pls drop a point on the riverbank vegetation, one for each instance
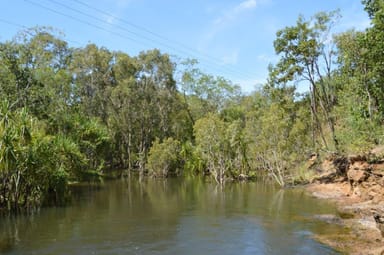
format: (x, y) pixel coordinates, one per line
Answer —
(74, 114)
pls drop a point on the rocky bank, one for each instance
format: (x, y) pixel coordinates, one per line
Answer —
(356, 184)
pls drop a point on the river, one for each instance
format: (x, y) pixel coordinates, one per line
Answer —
(173, 216)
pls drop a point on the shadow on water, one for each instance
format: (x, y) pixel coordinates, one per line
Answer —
(172, 216)
(11, 225)
(9, 234)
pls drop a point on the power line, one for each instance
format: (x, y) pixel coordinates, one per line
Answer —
(183, 52)
(204, 55)
(82, 21)
(143, 29)
(14, 24)
(103, 21)
(116, 33)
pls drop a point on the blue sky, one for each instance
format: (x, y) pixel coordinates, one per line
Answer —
(230, 38)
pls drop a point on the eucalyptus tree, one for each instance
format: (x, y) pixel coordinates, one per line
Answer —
(34, 73)
(144, 105)
(157, 98)
(307, 54)
(210, 142)
(123, 120)
(374, 57)
(91, 68)
(204, 93)
(357, 110)
(276, 132)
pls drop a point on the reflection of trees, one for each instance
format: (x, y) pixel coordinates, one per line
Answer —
(9, 234)
(161, 212)
(122, 211)
(277, 203)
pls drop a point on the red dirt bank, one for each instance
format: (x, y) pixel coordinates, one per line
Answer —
(356, 184)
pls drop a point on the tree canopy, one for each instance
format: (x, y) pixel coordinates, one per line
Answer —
(75, 114)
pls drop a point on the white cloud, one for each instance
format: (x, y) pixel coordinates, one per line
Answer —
(235, 12)
(248, 4)
(110, 19)
(119, 6)
(227, 17)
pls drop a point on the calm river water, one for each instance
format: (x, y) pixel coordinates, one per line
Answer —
(174, 216)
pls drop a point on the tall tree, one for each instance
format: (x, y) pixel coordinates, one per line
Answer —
(91, 68)
(374, 56)
(306, 54)
(35, 72)
(204, 93)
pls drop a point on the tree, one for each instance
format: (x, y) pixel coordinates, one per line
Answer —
(277, 132)
(210, 141)
(307, 54)
(164, 158)
(357, 127)
(91, 68)
(144, 105)
(204, 93)
(34, 73)
(373, 56)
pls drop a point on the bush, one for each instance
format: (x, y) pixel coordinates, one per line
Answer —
(164, 158)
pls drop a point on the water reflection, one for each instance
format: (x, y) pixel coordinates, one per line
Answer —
(172, 217)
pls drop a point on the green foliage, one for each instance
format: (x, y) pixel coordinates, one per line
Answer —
(278, 137)
(305, 55)
(210, 141)
(71, 114)
(373, 57)
(27, 162)
(193, 162)
(164, 158)
(221, 146)
(205, 93)
(360, 77)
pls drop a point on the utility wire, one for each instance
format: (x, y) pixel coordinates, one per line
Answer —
(147, 31)
(118, 26)
(113, 32)
(25, 28)
(208, 58)
(11, 23)
(82, 21)
(194, 51)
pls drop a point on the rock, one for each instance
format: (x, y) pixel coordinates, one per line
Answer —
(367, 223)
(378, 168)
(356, 184)
(357, 176)
(379, 223)
(327, 167)
(358, 208)
(329, 218)
(354, 158)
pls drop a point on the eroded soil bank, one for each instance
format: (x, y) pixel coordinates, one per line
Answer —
(356, 184)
